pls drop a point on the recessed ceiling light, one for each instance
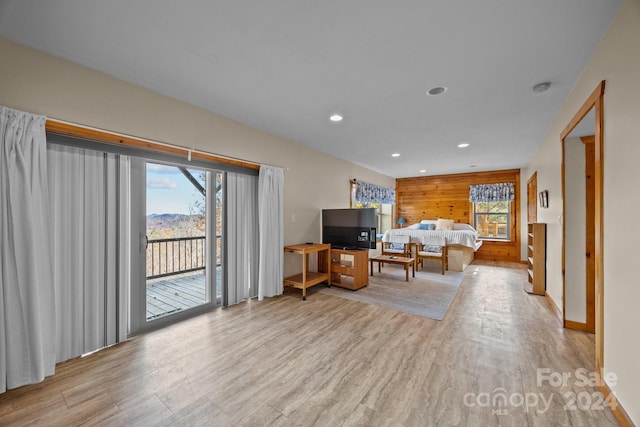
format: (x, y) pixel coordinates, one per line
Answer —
(541, 87)
(463, 145)
(423, 170)
(473, 166)
(336, 118)
(395, 155)
(437, 90)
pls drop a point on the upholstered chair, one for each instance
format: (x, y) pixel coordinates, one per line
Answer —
(397, 245)
(433, 248)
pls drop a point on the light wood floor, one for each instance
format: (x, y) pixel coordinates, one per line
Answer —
(329, 361)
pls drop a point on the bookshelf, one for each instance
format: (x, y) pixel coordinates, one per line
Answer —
(536, 259)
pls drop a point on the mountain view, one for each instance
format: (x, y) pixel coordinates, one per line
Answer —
(169, 226)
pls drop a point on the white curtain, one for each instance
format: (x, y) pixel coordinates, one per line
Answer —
(89, 196)
(241, 237)
(271, 217)
(27, 311)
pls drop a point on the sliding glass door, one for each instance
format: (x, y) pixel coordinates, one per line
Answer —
(177, 229)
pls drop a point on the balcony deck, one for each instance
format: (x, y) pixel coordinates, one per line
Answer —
(171, 294)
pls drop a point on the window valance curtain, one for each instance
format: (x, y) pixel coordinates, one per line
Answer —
(503, 192)
(371, 193)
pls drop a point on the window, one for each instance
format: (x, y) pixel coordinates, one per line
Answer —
(384, 211)
(493, 220)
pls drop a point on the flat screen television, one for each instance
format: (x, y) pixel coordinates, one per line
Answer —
(349, 228)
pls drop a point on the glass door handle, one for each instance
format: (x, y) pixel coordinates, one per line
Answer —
(144, 242)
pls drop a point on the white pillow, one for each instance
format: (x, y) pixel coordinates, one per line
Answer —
(444, 224)
(460, 226)
(428, 221)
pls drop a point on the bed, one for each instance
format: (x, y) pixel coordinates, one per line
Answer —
(462, 240)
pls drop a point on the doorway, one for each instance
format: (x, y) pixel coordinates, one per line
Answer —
(532, 198)
(579, 288)
(582, 222)
(176, 261)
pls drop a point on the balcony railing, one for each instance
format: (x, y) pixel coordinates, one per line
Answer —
(167, 257)
(492, 226)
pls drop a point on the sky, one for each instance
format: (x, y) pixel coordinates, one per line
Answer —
(169, 191)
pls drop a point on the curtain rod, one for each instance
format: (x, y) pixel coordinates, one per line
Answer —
(75, 130)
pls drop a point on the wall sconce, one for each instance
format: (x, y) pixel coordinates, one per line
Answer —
(544, 199)
(401, 221)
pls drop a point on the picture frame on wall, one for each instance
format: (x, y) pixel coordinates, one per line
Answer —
(544, 199)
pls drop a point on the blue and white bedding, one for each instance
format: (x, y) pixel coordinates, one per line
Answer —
(462, 234)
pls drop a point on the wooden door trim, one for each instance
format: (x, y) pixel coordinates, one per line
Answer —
(595, 100)
(596, 95)
(589, 148)
(588, 139)
(532, 182)
(576, 326)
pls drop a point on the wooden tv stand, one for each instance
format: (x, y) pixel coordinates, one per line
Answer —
(350, 263)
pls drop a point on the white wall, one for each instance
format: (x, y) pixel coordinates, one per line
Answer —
(575, 226)
(39, 83)
(547, 164)
(617, 61)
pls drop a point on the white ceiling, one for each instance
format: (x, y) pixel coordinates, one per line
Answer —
(285, 65)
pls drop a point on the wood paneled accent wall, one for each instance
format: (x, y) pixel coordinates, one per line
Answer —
(447, 196)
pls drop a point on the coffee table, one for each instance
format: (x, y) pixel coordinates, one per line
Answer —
(391, 259)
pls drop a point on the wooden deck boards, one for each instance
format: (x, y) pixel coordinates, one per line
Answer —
(171, 294)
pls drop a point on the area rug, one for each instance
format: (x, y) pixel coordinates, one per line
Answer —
(429, 294)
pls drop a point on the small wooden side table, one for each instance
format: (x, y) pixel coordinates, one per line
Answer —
(306, 279)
